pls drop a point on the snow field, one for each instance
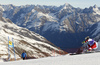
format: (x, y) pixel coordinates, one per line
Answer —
(82, 59)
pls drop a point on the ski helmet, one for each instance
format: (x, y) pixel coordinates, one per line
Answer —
(86, 38)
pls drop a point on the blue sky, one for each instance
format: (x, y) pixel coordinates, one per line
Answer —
(74, 3)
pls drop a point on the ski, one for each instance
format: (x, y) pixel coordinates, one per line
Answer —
(98, 51)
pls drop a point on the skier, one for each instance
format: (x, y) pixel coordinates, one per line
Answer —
(24, 55)
(88, 45)
(92, 45)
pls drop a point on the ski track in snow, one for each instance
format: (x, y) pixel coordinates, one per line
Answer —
(82, 59)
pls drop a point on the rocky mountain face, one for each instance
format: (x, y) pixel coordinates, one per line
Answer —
(65, 26)
(94, 31)
(34, 44)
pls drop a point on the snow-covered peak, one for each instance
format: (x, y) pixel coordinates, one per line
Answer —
(92, 9)
(96, 10)
(66, 4)
(95, 6)
(8, 7)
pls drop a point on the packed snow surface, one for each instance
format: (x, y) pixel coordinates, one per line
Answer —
(81, 59)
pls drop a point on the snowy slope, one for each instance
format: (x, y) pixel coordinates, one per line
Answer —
(83, 59)
(34, 44)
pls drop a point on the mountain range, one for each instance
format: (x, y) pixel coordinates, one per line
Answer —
(65, 26)
(35, 45)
